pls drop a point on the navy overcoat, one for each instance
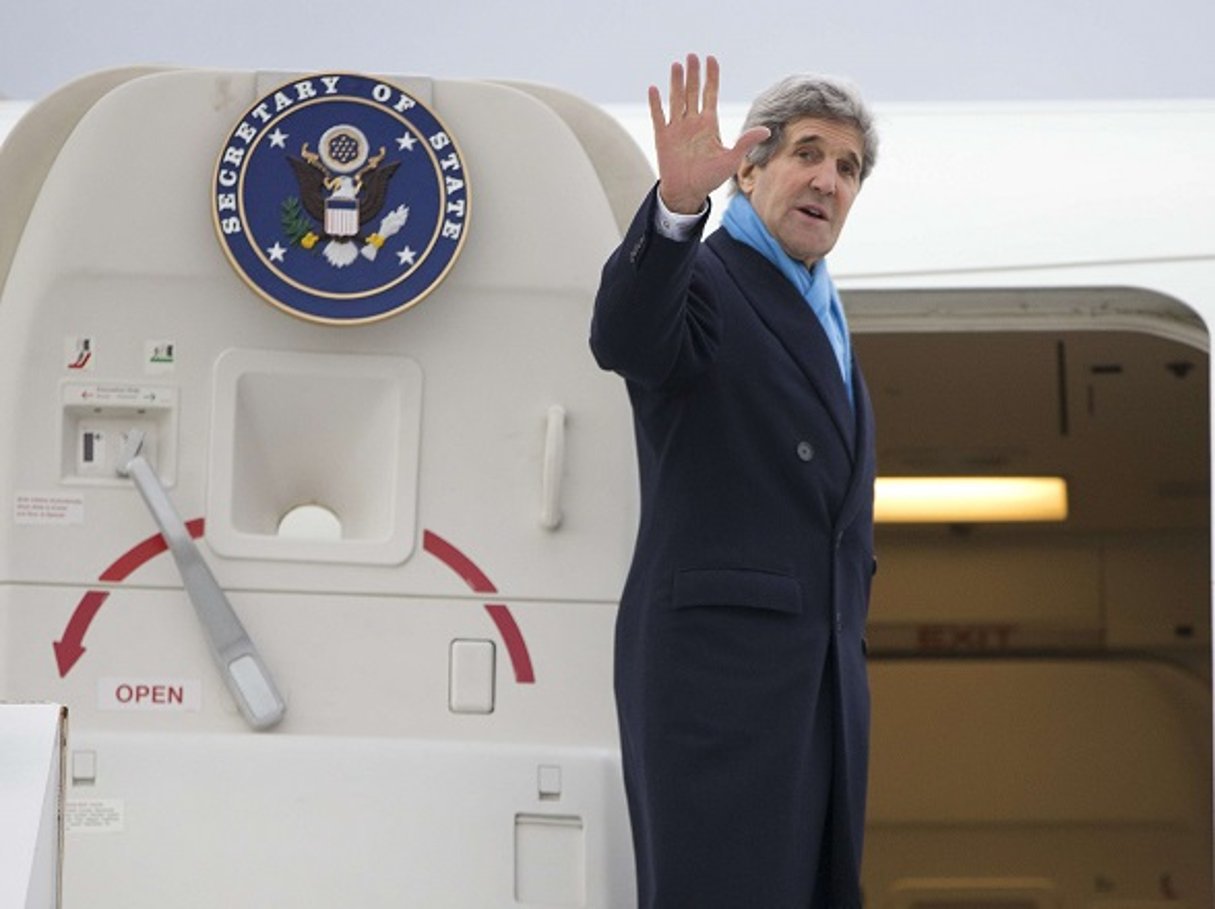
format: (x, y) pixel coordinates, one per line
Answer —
(740, 673)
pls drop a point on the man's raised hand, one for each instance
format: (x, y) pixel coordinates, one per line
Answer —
(692, 162)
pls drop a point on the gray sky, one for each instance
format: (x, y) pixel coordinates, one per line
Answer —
(898, 50)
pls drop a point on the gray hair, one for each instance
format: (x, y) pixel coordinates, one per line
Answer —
(805, 95)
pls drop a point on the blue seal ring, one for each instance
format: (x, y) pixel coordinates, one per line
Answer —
(341, 199)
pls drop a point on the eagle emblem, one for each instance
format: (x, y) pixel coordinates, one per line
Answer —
(341, 198)
(341, 189)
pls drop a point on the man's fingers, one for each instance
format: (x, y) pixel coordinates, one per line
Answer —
(692, 90)
(657, 118)
(685, 89)
(678, 101)
(750, 139)
(712, 79)
(745, 143)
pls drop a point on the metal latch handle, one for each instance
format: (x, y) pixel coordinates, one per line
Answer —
(235, 654)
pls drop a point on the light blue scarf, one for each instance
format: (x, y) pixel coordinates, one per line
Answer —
(744, 225)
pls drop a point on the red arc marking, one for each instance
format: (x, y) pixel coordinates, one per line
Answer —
(70, 648)
(516, 647)
(153, 546)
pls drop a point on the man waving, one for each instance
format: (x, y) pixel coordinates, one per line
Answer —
(740, 672)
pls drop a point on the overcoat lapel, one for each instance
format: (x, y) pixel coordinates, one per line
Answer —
(790, 319)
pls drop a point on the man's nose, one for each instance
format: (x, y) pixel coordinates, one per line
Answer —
(824, 179)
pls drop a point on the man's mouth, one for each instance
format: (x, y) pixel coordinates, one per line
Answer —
(813, 211)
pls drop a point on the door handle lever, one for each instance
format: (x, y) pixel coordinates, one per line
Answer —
(234, 652)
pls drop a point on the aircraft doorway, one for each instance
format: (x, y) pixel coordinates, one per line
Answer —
(1042, 690)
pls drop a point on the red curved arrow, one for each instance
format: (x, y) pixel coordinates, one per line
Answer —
(70, 648)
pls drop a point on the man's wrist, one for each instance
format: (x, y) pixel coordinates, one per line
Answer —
(689, 207)
(675, 225)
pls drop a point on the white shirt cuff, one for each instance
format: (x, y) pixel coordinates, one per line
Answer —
(675, 225)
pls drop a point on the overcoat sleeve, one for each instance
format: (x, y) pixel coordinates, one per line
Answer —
(652, 324)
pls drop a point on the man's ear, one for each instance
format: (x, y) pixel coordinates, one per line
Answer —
(746, 177)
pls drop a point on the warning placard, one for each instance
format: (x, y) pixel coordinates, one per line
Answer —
(48, 508)
(94, 815)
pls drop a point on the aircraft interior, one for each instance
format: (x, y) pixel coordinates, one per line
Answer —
(1041, 689)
